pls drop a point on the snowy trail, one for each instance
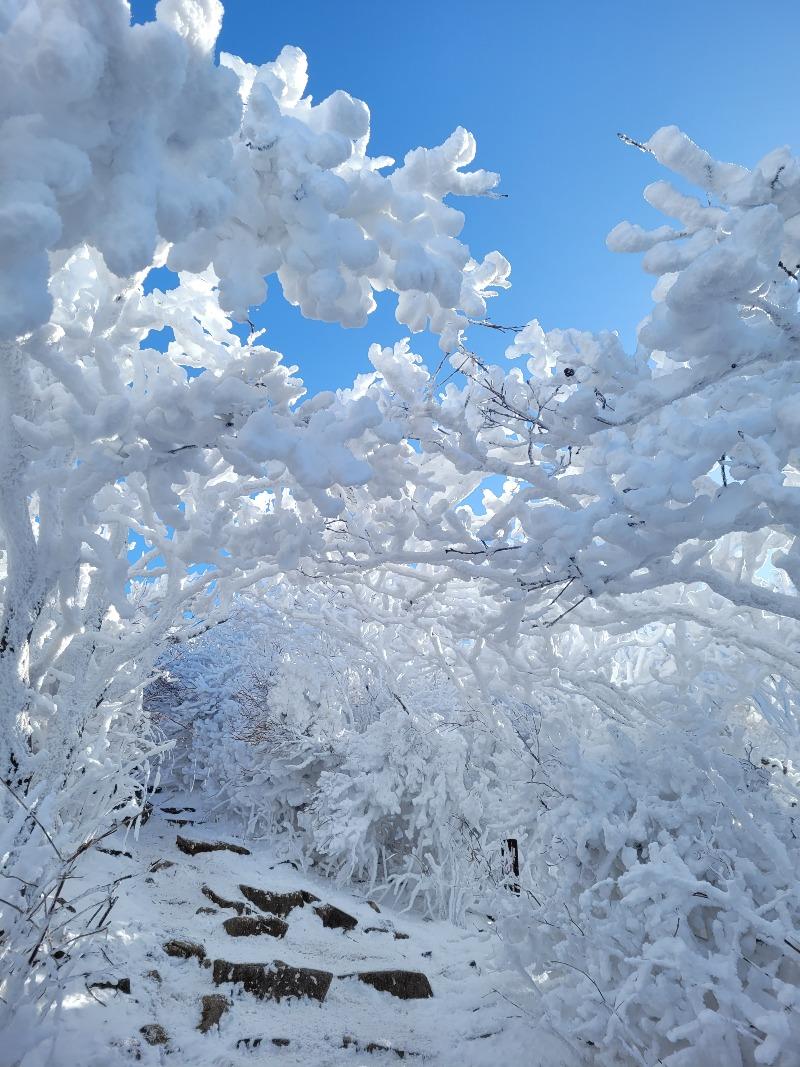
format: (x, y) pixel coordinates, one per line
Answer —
(476, 1016)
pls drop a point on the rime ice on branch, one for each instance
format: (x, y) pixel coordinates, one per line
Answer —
(132, 140)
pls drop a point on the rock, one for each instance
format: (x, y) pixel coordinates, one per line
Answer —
(206, 911)
(253, 925)
(277, 903)
(427, 955)
(386, 930)
(192, 848)
(249, 1042)
(374, 906)
(380, 1046)
(121, 986)
(176, 811)
(334, 918)
(408, 985)
(281, 1042)
(214, 1007)
(115, 852)
(184, 949)
(129, 1046)
(154, 1034)
(181, 822)
(374, 1046)
(273, 981)
(143, 816)
(161, 865)
(238, 906)
(153, 976)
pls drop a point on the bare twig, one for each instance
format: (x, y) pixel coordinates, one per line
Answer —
(496, 326)
(634, 144)
(32, 814)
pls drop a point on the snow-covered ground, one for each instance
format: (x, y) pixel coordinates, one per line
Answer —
(477, 1016)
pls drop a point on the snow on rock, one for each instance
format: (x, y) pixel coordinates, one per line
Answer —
(214, 1007)
(407, 985)
(336, 919)
(275, 980)
(253, 925)
(193, 848)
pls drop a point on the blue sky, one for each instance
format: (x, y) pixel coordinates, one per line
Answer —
(544, 87)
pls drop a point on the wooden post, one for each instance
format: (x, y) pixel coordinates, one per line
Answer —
(510, 855)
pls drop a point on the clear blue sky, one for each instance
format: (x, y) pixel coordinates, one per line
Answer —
(544, 87)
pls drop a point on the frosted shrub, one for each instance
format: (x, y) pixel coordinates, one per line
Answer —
(393, 813)
(296, 734)
(250, 724)
(661, 913)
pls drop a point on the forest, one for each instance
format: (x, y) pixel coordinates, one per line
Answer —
(502, 650)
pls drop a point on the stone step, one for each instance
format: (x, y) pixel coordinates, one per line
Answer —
(185, 950)
(334, 918)
(407, 985)
(278, 903)
(235, 905)
(193, 848)
(275, 980)
(254, 925)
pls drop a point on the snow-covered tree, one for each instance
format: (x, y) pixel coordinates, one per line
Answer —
(141, 489)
